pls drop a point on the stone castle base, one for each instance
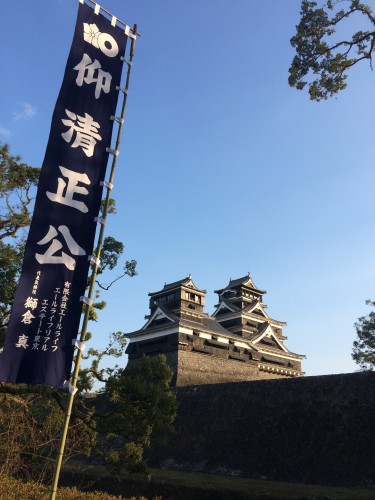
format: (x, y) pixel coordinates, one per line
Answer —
(194, 368)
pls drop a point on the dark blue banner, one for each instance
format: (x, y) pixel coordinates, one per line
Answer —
(47, 307)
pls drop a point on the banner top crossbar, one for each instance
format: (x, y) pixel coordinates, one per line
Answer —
(128, 30)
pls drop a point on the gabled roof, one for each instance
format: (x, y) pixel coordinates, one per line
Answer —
(255, 305)
(205, 324)
(246, 281)
(248, 312)
(188, 282)
(267, 331)
(161, 312)
(226, 304)
(209, 325)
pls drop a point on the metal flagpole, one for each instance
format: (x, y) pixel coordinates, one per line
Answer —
(95, 259)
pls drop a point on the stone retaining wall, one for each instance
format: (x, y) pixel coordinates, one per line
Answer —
(310, 429)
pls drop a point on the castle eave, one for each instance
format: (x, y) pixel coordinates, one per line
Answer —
(268, 367)
(278, 353)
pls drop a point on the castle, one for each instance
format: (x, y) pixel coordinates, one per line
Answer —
(239, 342)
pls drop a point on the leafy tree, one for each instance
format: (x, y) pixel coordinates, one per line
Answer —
(31, 418)
(110, 254)
(10, 268)
(93, 371)
(17, 180)
(364, 347)
(118, 425)
(323, 57)
(17, 187)
(141, 410)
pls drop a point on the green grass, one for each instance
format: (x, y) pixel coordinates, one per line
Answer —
(175, 485)
(13, 489)
(252, 488)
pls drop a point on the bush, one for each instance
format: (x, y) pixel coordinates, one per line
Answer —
(13, 489)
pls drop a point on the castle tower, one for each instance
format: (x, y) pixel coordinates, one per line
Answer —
(239, 342)
(242, 312)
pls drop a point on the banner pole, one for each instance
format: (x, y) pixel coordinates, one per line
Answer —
(74, 377)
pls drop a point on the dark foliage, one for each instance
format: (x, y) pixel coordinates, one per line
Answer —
(324, 56)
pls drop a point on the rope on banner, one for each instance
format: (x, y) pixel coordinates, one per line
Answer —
(79, 345)
(124, 90)
(129, 63)
(117, 119)
(108, 185)
(86, 300)
(70, 387)
(94, 259)
(113, 152)
(101, 220)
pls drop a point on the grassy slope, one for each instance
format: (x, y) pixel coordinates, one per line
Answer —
(12, 489)
(257, 488)
(175, 485)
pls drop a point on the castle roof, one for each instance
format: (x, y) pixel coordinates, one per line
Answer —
(229, 305)
(245, 281)
(209, 325)
(188, 282)
(204, 324)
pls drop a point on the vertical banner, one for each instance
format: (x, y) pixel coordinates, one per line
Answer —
(47, 307)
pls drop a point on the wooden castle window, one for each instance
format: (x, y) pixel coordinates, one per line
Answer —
(193, 297)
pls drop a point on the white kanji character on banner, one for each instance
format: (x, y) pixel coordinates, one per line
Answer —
(86, 132)
(70, 189)
(31, 303)
(50, 258)
(86, 69)
(27, 318)
(22, 341)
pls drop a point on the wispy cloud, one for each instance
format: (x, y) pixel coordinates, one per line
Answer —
(4, 132)
(26, 112)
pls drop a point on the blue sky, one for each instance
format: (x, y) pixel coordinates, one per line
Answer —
(224, 169)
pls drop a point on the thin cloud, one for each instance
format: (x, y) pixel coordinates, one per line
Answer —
(26, 112)
(4, 132)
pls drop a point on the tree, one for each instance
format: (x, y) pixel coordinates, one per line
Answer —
(364, 347)
(10, 268)
(141, 410)
(322, 62)
(17, 180)
(17, 188)
(323, 57)
(30, 430)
